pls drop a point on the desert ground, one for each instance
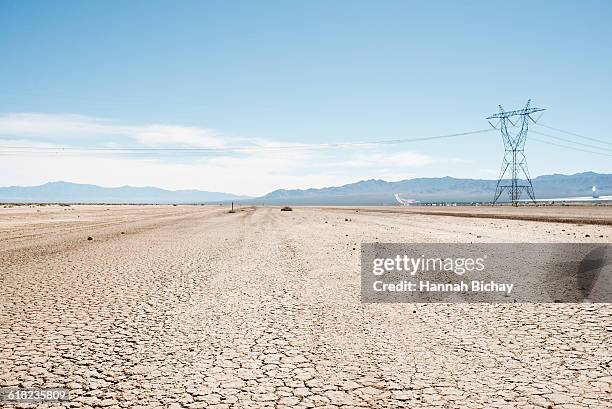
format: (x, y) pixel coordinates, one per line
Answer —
(194, 307)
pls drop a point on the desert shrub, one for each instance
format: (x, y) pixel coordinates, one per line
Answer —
(286, 209)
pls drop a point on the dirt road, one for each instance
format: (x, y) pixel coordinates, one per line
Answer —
(193, 307)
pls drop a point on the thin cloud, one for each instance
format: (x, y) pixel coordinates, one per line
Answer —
(252, 172)
(77, 127)
(49, 126)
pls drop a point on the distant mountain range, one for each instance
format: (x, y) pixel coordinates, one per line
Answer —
(65, 192)
(377, 192)
(367, 192)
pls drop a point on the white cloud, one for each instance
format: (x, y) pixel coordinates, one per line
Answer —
(253, 172)
(383, 160)
(178, 136)
(253, 175)
(46, 126)
(77, 127)
(21, 143)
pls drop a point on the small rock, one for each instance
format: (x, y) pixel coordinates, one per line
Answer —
(89, 238)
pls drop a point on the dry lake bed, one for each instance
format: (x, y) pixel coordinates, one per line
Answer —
(194, 307)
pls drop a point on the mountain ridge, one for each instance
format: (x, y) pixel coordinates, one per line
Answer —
(445, 188)
(69, 192)
(363, 192)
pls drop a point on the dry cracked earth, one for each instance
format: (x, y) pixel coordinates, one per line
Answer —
(193, 307)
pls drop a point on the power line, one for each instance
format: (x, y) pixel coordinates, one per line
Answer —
(570, 141)
(575, 134)
(236, 149)
(569, 147)
(71, 150)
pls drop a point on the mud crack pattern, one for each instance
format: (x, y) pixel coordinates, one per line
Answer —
(192, 307)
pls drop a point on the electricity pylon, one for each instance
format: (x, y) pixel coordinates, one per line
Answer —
(514, 165)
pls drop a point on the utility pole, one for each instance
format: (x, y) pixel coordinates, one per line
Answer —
(514, 165)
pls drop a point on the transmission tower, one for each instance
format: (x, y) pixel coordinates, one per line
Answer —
(514, 176)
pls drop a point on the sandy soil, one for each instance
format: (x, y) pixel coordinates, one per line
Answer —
(189, 306)
(577, 214)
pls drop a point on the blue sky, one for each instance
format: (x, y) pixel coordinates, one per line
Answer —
(227, 73)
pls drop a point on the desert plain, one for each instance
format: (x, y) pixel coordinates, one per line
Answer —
(195, 307)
